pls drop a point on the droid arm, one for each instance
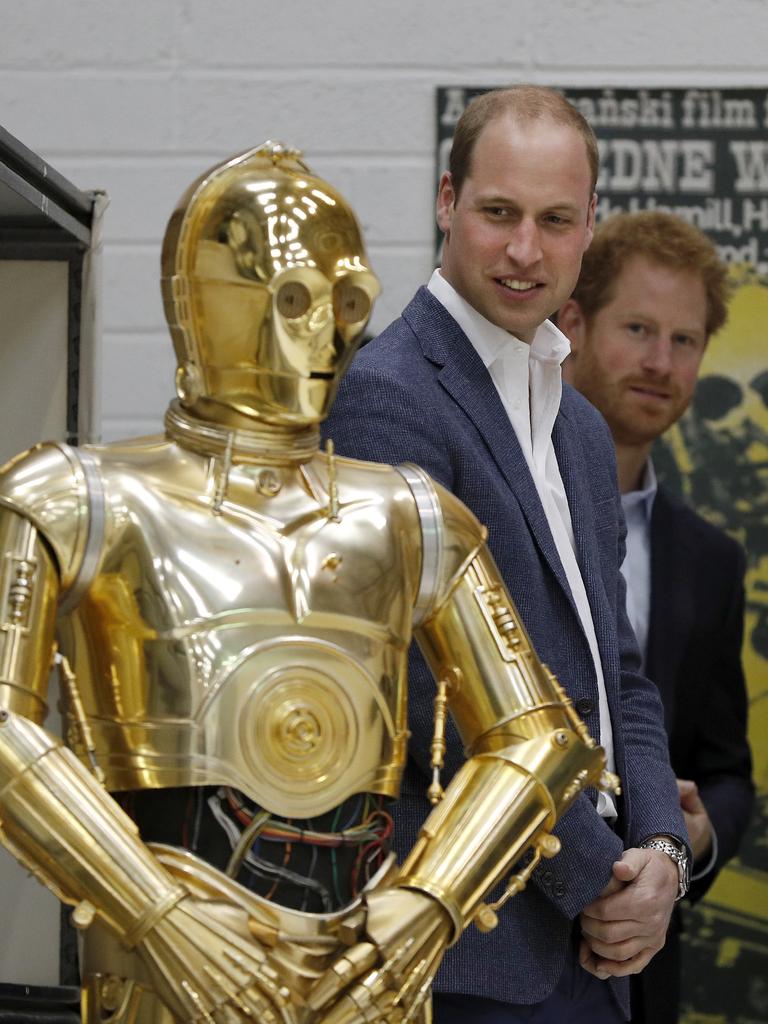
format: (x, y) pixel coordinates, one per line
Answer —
(60, 823)
(529, 755)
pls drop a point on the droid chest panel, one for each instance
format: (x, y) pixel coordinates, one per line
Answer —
(310, 720)
(263, 652)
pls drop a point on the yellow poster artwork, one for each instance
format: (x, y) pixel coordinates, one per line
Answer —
(720, 451)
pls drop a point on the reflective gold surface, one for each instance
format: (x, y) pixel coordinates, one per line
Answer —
(276, 666)
(266, 288)
(237, 607)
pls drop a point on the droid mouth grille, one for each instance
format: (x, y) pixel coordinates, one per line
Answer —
(321, 375)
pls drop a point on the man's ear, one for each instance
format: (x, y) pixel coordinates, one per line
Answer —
(571, 322)
(445, 202)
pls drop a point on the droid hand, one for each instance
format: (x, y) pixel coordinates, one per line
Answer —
(206, 967)
(387, 977)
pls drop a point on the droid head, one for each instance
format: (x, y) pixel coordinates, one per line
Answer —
(266, 288)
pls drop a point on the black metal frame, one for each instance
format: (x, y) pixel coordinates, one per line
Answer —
(39, 1004)
(45, 217)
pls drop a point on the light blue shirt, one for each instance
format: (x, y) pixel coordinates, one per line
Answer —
(636, 568)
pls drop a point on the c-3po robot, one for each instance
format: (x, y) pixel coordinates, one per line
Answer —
(231, 609)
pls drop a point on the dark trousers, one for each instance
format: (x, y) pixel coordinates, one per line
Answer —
(579, 998)
(655, 993)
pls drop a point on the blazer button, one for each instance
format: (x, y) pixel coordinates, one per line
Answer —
(560, 888)
(584, 706)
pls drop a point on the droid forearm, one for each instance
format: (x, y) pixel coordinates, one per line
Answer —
(59, 823)
(497, 806)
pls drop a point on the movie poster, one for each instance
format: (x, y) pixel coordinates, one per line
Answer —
(702, 153)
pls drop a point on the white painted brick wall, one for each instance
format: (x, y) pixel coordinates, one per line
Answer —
(139, 97)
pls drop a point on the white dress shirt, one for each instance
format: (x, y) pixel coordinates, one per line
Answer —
(529, 382)
(636, 569)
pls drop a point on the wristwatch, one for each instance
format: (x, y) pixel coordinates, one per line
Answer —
(677, 852)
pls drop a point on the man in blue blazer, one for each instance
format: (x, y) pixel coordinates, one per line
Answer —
(467, 384)
(651, 292)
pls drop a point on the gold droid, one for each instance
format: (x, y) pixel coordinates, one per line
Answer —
(231, 609)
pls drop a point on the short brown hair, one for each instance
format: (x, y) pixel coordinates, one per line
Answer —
(661, 238)
(526, 103)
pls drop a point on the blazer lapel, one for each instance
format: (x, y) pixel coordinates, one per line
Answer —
(575, 476)
(467, 381)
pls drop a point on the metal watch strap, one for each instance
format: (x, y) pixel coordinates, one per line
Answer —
(678, 855)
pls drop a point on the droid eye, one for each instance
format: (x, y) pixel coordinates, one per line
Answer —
(351, 304)
(293, 299)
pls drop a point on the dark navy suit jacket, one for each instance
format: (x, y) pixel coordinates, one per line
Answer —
(694, 657)
(420, 393)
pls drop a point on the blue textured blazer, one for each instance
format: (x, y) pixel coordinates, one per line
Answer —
(419, 392)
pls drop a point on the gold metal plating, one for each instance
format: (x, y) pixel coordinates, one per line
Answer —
(79, 720)
(266, 288)
(237, 608)
(435, 792)
(26, 606)
(546, 845)
(262, 670)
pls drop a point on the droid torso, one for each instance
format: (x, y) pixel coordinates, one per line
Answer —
(249, 638)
